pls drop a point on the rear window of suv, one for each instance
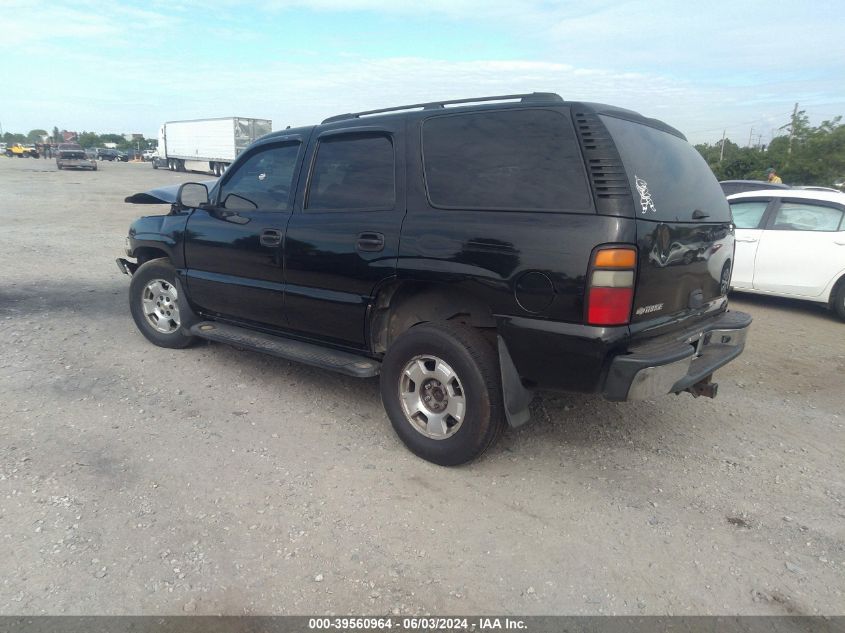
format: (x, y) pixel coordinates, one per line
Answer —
(668, 177)
(504, 160)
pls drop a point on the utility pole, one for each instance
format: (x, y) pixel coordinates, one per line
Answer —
(749, 136)
(722, 151)
(792, 129)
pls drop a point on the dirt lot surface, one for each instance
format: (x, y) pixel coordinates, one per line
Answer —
(142, 480)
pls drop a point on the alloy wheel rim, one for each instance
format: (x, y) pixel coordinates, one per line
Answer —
(160, 305)
(432, 397)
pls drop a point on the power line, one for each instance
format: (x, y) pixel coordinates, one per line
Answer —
(765, 118)
(728, 127)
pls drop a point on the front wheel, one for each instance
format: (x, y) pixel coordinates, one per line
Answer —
(441, 390)
(155, 305)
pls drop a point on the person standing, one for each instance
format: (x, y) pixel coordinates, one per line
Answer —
(772, 176)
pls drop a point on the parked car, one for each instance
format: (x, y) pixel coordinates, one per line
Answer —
(816, 188)
(72, 156)
(731, 187)
(111, 155)
(534, 254)
(791, 244)
(148, 154)
(22, 151)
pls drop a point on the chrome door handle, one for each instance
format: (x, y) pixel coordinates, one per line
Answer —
(370, 242)
(270, 237)
(746, 239)
(838, 243)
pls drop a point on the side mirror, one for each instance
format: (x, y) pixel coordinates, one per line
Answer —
(192, 195)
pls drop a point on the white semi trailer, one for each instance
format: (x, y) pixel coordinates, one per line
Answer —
(208, 145)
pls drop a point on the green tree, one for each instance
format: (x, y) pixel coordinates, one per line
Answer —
(813, 155)
(112, 138)
(10, 138)
(35, 136)
(89, 139)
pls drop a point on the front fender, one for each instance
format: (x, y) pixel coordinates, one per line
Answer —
(165, 233)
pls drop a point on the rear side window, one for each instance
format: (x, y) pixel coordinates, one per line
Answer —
(508, 159)
(798, 216)
(747, 215)
(669, 179)
(353, 172)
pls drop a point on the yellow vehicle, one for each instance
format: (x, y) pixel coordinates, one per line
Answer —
(22, 151)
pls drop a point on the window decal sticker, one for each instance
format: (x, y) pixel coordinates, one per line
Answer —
(646, 202)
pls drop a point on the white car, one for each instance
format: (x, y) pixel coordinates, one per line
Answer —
(148, 154)
(791, 243)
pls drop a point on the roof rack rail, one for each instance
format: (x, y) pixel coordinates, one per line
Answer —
(529, 97)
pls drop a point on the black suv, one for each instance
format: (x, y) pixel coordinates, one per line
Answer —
(111, 155)
(468, 252)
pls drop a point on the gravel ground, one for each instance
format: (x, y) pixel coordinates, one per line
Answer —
(139, 480)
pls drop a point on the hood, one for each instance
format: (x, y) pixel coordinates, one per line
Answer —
(162, 195)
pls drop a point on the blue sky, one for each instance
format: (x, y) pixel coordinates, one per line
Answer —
(129, 66)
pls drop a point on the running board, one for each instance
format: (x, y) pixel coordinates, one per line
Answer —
(326, 358)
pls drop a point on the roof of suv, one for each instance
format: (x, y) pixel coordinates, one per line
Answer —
(482, 103)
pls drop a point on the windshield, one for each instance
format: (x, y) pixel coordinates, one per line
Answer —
(669, 179)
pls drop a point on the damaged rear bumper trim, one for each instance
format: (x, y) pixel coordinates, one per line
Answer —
(672, 367)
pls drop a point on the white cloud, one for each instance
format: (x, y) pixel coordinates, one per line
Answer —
(700, 70)
(293, 94)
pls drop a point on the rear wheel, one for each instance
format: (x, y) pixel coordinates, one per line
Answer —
(839, 300)
(154, 302)
(440, 387)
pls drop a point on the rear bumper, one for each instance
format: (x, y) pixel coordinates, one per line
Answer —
(657, 368)
(76, 163)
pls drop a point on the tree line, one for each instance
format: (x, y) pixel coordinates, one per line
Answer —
(85, 139)
(801, 154)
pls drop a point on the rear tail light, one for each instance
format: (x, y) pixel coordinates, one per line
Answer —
(610, 286)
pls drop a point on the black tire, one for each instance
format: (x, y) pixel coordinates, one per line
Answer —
(156, 269)
(94, 168)
(476, 366)
(59, 167)
(839, 300)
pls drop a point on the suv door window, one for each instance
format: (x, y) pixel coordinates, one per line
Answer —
(801, 216)
(263, 181)
(505, 160)
(747, 215)
(353, 172)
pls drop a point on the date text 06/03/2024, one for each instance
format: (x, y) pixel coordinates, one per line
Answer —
(417, 624)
